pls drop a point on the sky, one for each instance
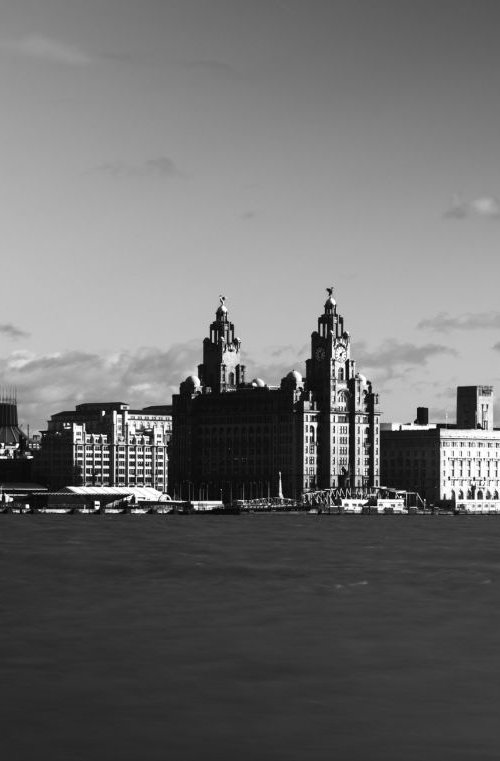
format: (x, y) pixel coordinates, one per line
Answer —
(158, 153)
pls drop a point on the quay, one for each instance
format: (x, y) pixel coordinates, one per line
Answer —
(145, 501)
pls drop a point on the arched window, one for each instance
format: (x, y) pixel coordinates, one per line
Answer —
(340, 374)
(231, 379)
(342, 398)
(480, 494)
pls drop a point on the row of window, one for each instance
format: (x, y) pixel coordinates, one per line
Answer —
(462, 444)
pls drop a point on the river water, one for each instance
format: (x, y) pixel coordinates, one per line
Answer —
(252, 637)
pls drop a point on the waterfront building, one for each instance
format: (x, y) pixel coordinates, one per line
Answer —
(444, 463)
(105, 444)
(240, 439)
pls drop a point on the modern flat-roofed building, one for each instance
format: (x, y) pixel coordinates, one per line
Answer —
(105, 444)
(244, 439)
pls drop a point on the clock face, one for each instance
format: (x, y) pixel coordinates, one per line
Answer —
(319, 353)
(341, 353)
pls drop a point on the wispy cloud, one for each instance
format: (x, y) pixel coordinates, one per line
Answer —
(393, 353)
(384, 364)
(160, 166)
(49, 383)
(43, 48)
(13, 332)
(486, 207)
(445, 323)
(272, 363)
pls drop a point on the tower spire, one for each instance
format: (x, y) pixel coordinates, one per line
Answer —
(221, 369)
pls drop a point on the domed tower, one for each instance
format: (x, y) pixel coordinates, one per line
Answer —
(190, 386)
(221, 369)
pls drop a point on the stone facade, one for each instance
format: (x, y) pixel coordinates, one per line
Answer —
(242, 439)
(442, 464)
(105, 444)
(446, 463)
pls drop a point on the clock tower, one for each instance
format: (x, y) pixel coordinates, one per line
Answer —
(221, 369)
(330, 365)
(348, 423)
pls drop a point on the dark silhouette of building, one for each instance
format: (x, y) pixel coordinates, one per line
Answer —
(244, 439)
(475, 407)
(11, 436)
(15, 458)
(422, 416)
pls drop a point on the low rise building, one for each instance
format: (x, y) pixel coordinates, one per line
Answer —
(444, 463)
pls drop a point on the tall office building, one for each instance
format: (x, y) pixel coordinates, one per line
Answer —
(475, 407)
(248, 439)
(105, 444)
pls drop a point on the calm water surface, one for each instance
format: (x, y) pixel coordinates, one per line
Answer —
(286, 637)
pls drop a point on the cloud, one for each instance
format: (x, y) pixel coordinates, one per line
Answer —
(393, 353)
(161, 166)
(43, 48)
(50, 383)
(444, 323)
(486, 207)
(13, 332)
(391, 362)
(272, 363)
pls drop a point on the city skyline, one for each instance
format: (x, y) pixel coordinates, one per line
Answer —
(158, 154)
